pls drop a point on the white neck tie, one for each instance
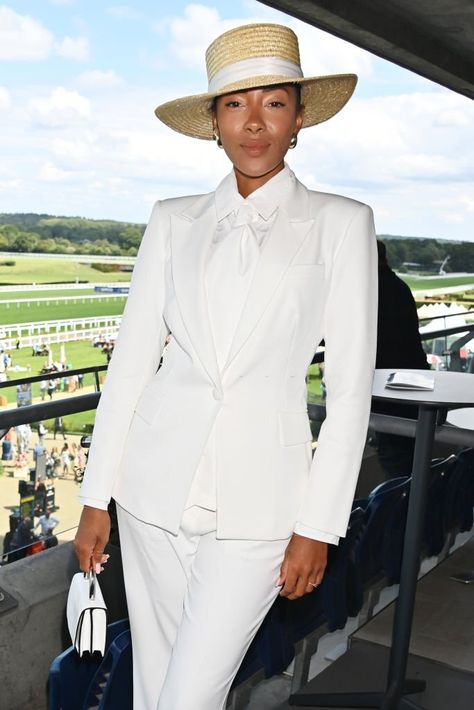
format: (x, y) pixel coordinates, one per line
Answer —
(249, 241)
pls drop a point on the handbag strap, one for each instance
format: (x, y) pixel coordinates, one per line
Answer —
(91, 576)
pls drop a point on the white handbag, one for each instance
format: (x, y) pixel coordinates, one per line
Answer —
(86, 614)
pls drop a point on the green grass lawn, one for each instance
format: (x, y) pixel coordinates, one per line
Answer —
(80, 423)
(28, 270)
(79, 353)
(314, 382)
(417, 284)
(58, 310)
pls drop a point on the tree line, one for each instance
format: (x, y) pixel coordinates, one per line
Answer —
(44, 233)
(428, 254)
(47, 234)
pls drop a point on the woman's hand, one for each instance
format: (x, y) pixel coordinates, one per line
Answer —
(91, 538)
(304, 563)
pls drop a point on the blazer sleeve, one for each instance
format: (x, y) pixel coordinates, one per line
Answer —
(135, 360)
(350, 334)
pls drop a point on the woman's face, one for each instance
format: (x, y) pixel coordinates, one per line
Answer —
(256, 127)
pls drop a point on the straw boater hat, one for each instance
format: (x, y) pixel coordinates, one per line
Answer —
(249, 57)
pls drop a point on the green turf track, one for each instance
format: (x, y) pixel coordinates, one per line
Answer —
(59, 310)
(28, 270)
(440, 282)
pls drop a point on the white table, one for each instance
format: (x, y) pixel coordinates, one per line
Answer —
(452, 391)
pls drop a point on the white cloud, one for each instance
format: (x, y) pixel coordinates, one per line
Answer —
(73, 151)
(76, 48)
(164, 148)
(60, 108)
(413, 166)
(194, 31)
(390, 140)
(102, 79)
(22, 37)
(452, 117)
(467, 201)
(13, 184)
(51, 173)
(5, 98)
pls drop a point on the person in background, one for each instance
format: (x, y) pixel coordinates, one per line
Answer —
(66, 460)
(398, 346)
(58, 427)
(46, 523)
(55, 462)
(21, 539)
(51, 388)
(42, 431)
(38, 450)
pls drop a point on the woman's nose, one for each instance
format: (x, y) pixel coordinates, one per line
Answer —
(255, 122)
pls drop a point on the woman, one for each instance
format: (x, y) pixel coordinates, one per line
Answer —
(222, 508)
(66, 460)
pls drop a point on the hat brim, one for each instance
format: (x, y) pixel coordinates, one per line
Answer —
(322, 97)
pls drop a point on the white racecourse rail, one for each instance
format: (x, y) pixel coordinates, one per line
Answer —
(55, 299)
(58, 331)
(61, 287)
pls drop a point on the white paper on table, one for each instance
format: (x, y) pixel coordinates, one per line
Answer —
(410, 381)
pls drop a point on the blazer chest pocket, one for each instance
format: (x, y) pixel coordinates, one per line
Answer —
(294, 428)
(149, 404)
(313, 271)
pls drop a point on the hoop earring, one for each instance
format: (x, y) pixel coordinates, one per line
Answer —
(217, 138)
(293, 141)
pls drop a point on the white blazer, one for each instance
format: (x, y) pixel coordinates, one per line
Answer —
(316, 278)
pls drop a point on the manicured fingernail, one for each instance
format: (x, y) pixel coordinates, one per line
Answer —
(98, 568)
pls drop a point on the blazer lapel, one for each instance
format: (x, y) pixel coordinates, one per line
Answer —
(191, 234)
(287, 234)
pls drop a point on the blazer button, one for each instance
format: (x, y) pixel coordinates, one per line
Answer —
(217, 394)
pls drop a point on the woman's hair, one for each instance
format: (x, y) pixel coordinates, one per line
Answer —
(299, 105)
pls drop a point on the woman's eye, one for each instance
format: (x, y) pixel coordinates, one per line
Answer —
(232, 104)
(276, 103)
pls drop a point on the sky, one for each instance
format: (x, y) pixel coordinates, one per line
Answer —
(80, 79)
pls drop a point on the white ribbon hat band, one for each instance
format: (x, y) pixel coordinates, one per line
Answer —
(256, 66)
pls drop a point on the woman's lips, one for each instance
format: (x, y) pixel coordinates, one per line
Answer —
(254, 148)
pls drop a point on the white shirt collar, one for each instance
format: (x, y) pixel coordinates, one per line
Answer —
(264, 200)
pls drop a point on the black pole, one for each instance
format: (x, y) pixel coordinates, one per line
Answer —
(411, 556)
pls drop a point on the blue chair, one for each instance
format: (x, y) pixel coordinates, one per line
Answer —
(340, 572)
(325, 609)
(435, 532)
(273, 640)
(112, 684)
(459, 499)
(379, 550)
(70, 676)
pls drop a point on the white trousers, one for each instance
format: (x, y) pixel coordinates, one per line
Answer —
(195, 603)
